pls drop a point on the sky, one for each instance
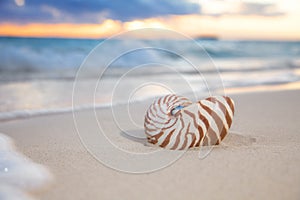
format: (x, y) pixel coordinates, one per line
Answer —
(227, 19)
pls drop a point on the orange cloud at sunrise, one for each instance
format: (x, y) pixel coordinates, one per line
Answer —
(106, 29)
(281, 24)
(227, 27)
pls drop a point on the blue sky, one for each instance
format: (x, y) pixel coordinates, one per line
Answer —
(90, 11)
(96, 11)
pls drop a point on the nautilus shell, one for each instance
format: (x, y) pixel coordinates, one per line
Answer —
(174, 122)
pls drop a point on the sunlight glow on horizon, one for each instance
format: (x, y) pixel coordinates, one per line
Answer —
(139, 24)
(105, 29)
(227, 26)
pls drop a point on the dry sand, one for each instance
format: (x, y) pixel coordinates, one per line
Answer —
(260, 159)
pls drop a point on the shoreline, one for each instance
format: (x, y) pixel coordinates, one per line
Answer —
(260, 158)
(24, 114)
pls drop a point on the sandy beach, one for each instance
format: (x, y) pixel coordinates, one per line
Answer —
(259, 159)
(85, 84)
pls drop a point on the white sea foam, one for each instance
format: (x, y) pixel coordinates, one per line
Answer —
(18, 174)
(37, 74)
(36, 98)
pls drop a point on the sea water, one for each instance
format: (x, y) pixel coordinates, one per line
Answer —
(37, 75)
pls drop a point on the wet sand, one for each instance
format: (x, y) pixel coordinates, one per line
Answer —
(259, 159)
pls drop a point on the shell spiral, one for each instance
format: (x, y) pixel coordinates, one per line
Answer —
(174, 122)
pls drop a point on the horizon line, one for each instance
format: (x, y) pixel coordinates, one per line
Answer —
(196, 38)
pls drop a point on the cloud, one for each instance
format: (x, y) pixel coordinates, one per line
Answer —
(97, 11)
(91, 11)
(220, 8)
(266, 9)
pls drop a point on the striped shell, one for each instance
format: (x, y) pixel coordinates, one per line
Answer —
(174, 122)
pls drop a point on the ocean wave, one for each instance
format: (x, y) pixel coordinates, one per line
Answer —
(62, 57)
(46, 69)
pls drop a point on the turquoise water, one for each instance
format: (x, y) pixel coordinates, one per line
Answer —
(28, 56)
(37, 74)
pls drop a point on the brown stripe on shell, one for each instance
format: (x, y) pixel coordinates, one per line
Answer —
(196, 125)
(230, 103)
(167, 139)
(225, 112)
(209, 131)
(162, 130)
(185, 138)
(179, 133)
(154, 108)
(219, 122)
(166, 98)
(154, 138)
(149, 120)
